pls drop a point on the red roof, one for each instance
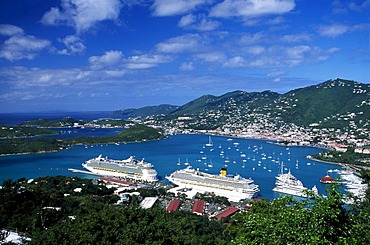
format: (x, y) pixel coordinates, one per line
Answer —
(173, 206)
(228, 212)
(326, 179)
(198, 207)
(118, 181)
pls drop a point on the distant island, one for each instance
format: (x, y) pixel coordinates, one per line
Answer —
(333, 115)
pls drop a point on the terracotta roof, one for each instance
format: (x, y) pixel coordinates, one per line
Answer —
(173, 206)
(228, 212)
(198, 207)
(117, 181)
(326, 178)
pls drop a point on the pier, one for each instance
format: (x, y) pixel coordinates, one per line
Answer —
(82, 171)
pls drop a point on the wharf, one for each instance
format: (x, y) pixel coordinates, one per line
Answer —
(82, 171)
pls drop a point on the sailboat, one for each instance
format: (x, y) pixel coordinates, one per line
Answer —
(187, 162)
(178, 163)
(210, 143)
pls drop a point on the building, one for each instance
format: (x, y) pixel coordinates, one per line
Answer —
(148, 202)
(198, 207)
(226, 213)
(173, 206)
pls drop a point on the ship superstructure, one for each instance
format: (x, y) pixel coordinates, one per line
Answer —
(128, 168)
(235, 188)
(288, 184)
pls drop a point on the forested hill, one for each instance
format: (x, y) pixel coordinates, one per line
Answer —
(335, 102)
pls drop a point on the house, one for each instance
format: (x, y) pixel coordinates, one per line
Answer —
(173, 206)
(198, 207)
(226, 213)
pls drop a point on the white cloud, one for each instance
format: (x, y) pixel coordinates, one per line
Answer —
(292, 38)
(172, 7)
(109, 59)
(187, 66)
(146, 61)
(200, 23)
(190, 43)
(251, 8)
(212, 57)
(333, 30)
(237, 61)
(74, 45)
(82, 14)
(10, 30)
(20, 46)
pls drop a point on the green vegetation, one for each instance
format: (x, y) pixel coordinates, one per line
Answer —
(47, 123)
(17, 146)
(348, 157)
(135, 133)
(68, 210)
(23, 132)
(148, 111)
(50, 211)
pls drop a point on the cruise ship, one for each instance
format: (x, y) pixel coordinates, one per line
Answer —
(128, 168)
(235, 188)
(289, 184)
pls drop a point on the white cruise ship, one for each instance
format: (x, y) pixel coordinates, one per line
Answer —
(289, 184)
(128, 168)
(234, 188)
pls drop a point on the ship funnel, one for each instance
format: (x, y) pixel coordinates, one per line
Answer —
(223, 172)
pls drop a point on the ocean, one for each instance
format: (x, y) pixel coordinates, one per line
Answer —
(260, 159)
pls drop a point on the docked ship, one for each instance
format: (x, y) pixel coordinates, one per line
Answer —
(235, 188)
(128, 168)
(289, 184)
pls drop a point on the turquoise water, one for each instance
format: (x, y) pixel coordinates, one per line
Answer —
(165, 155)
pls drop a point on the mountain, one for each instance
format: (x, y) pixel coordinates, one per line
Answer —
(148, 111)
(231, 99)
(334, 103)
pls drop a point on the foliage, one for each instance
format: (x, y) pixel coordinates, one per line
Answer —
(15, 146)
(135, 133)
(50, 212)
(286, 221)
(350, 156)
(47, 123)
(23, 132)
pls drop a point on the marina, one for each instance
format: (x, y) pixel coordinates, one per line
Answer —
(237, 155)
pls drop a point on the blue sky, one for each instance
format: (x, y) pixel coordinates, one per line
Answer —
(115, 54)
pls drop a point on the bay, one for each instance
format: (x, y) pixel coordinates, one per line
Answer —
(261, 159)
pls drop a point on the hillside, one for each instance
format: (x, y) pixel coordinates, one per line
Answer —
(334, 103)
(226, 101)
(334, 100)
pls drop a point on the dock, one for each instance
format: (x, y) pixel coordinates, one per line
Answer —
(82, 171)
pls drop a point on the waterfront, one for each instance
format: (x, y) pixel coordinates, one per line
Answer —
(260, 159)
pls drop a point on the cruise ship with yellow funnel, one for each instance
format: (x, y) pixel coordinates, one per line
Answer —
(235, 188)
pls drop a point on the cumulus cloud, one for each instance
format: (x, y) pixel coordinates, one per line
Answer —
(171, 7)
(251, 8)
(19, 45)
(187, 66)
(185, 43)
(82, 14)
(146, 61)
(73, 44)
(200, 23)
(108, 59)
(333, 30)
(10, 30)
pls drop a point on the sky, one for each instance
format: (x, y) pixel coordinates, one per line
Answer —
(103, 55)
